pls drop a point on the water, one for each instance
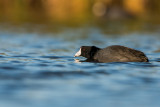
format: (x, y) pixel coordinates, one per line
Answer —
(39, 70)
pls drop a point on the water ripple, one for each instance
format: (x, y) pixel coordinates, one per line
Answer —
(37, 70)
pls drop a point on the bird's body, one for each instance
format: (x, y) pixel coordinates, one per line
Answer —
(114, 53)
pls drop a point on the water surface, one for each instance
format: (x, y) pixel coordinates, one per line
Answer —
(38, 70)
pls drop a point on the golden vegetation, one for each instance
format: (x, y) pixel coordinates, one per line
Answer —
(76, 11)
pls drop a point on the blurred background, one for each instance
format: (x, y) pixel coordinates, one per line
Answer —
(54, 15)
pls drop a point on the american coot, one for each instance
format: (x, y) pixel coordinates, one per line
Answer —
(114, 53)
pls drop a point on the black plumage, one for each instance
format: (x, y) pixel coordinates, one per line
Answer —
(114, 53)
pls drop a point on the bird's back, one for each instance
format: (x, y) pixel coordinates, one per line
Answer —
(117, 53)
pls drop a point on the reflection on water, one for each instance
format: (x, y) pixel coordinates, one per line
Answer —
(38, 71)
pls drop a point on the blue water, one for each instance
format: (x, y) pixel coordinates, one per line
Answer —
(39, 70)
